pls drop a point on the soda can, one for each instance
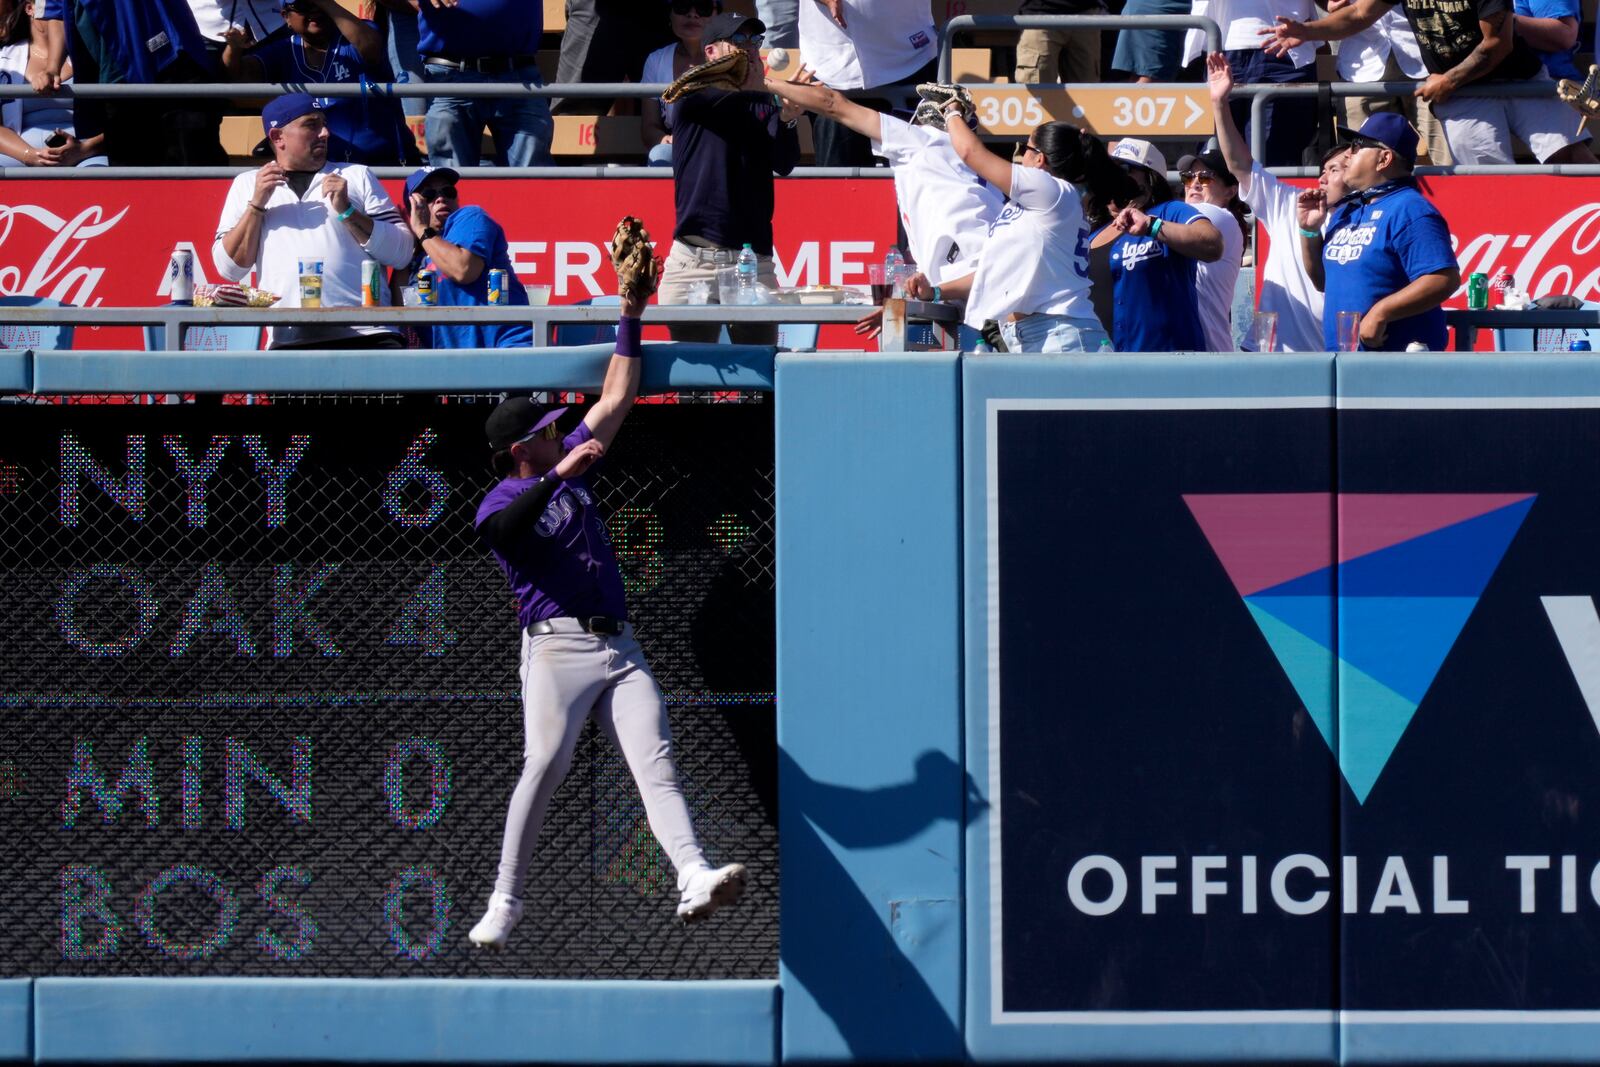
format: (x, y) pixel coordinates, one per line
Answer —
(427, 286)
(1477, 291)
(371, 283)
(1580, 345)
(311, 283)
(497, 287)
(180, 276)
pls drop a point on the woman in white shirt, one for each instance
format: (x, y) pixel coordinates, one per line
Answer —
(665, 64)
(1033, 277)
(1212, 190)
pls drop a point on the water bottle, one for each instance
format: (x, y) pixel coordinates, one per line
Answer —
(747, 277)
(1105, 347)
(894, 271)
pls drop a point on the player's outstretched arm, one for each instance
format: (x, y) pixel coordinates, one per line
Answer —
(984, 163)
(821, 100)
(638, 273)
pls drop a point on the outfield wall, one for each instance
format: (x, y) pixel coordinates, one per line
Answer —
(1140, 708)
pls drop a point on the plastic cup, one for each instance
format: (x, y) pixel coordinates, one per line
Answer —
(1347, 331)
(727, 285)
(1264, 332)
(700, 292)
(538, 295)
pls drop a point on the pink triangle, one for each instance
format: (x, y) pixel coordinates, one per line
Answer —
(1372, 521)
(1265, 539)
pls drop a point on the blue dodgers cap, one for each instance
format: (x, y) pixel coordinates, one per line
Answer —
(1386, 129)
(284, 109)
(414, 182)
(517, 419)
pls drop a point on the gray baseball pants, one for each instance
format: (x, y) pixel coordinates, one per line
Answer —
(566, 677)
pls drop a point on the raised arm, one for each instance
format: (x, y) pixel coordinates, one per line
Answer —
(1235, 149)
(1349, 19)
(638, 272)
(821, 100)
(1311, 210)
(359, 32)
(970, 149)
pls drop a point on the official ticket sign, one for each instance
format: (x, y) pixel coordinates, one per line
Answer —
(1110, 111)
(1289, 710)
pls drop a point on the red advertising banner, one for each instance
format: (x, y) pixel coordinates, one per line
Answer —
(106, 243)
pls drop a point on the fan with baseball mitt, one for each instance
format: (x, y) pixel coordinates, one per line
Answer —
(936, 98)
(638, 269)
(1585, 97)
(725, 72)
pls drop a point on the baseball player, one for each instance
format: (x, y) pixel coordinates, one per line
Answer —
(945, 207)
(579, 655)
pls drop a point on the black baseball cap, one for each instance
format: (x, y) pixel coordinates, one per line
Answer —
(725, 25)
(1214, 163)
(517, 419)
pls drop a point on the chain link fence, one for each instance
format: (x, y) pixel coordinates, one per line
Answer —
(260, 694)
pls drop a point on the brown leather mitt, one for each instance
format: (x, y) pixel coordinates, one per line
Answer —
(728, 72)
(638, 269)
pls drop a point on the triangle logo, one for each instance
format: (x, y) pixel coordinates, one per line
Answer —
(1361, 597)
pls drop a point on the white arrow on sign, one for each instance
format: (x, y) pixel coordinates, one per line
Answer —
(1195, 111)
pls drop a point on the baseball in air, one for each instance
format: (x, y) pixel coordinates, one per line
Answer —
(778, 59)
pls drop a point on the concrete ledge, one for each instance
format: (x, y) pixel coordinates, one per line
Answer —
(148, 1020)
(16, 370)
(667, 366)
(16, 1020)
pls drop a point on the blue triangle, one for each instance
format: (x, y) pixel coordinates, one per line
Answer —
(1371, 719)
(1308, 665)
(1312, 616)
(1401, 641)
(1317, 583)
(1456, 561)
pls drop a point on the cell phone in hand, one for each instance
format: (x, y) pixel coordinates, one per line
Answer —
(56, 140)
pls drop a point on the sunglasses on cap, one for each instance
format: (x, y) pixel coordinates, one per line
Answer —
(704, 10)
(1197, 177)
(552, 432)
(742, 40)
(448, 192)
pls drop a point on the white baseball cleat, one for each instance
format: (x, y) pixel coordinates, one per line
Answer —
(707, 890)
(495, 927)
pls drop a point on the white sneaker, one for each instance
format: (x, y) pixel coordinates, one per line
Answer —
(708, 890)
(497, 923)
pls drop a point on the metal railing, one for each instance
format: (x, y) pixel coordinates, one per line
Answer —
(177, 318)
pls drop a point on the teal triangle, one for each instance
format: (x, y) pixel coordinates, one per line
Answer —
(1401, 641)
(1308, 665)
(1371, 719)
(1313, 616)
(1456, 561)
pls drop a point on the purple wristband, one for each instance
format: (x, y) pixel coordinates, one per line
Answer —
(551, 476)
(628, 331)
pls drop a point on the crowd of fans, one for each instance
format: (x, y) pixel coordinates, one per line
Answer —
(866, 45)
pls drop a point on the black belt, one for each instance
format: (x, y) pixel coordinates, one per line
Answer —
(603, 625)
(484, 64)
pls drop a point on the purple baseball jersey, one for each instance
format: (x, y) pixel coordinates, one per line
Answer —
(566, 567)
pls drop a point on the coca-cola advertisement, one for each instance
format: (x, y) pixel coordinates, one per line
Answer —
(107, 243)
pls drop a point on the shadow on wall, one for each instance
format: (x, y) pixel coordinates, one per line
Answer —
(856, 953)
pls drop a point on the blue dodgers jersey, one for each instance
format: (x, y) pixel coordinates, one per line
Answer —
(1156, 294)
(474, 29)
(1376, 246)
(363, 129)
(474, 230)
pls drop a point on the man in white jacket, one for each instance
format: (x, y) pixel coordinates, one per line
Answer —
(300, 208)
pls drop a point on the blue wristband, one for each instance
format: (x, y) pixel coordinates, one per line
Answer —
(628, 331)
(346, 213)
(1155, 229)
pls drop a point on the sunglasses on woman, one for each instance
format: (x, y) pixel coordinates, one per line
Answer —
(684, 7)
(1197, 177)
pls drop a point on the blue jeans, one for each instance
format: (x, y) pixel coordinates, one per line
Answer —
(660, 155)
(1291, 122)
(1052, 333)
(782, 18)
(522, 127)
(404, 61)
